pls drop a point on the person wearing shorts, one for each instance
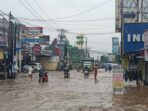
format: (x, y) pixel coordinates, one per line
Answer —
(30, 73)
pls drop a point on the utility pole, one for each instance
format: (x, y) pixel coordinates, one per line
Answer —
(20, 52)
(5, 54)
(86, 47)
(61, 38)
(122, 28)
(9, 47)
(63, 49)
(139, 10)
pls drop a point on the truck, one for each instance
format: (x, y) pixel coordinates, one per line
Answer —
(88, 62)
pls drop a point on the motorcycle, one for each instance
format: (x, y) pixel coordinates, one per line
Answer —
(86, 72)
(66, 72)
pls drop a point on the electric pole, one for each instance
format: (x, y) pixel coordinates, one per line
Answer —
(63, 46)
(86, 47)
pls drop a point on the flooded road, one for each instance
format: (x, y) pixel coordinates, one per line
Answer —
(74, 94)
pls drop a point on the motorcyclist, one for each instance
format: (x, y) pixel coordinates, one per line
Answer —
(86, 71)
(66, 71)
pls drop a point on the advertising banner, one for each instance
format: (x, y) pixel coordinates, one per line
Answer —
(146, 45)
(4, 26)
(37, 49)
(31, 32)
(134, 36)
(115, 45)
(118, 81)
(45, 38)
(26, 40)
(1, 55)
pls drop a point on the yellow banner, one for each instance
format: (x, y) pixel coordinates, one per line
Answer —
(1, 55)
(118, 84)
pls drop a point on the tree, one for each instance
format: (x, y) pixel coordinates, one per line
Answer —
(104, 59)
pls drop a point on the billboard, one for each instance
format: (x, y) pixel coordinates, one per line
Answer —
(128, 10)
(115, 45)
(46, 39)
(33, 40)
(134, 36)
(31, 32)
(146, 45)
(4, 26)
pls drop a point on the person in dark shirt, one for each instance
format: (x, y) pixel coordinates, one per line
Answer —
(95, 72)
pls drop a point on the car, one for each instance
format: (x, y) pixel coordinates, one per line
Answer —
(108, 66)
(26, 68)
(35, 66)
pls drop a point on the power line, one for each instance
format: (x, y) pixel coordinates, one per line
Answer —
(45, 13)
(89, 28)
(106, 33)
(27, 8)
(30, 11)
(38, 26)
(85, 11)
(72, 32)
(102, 19)
(86, 25)
(29, 19)
(34, 11)
(99, 43)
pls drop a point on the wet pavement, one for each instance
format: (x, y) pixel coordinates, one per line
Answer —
(74, 94)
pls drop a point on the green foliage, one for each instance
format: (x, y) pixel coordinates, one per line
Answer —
(104, 59)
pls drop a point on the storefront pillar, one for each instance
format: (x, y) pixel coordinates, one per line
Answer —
(146, 73)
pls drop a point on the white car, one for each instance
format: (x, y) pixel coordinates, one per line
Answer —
(35, 66)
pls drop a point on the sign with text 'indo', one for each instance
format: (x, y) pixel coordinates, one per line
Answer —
(134, 36)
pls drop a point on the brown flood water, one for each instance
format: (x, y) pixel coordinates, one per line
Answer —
(74, 94)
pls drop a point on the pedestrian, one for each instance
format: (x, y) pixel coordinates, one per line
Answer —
(30, 73)
(95, 72)
(9, 70)
(45, 77)
(14, 70)
(40, 74)
(61, 66)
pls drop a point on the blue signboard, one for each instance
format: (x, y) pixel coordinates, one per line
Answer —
(129, 15)
(115, 45)
(26, 40)
(134, 36)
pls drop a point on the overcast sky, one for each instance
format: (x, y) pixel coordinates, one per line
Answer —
(80, 16)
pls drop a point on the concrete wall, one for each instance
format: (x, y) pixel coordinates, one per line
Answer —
(48, 65)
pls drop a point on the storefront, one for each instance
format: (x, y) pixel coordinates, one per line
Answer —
(133, 49)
